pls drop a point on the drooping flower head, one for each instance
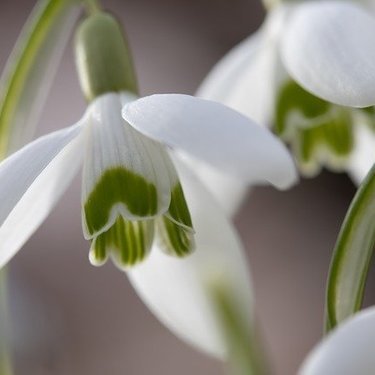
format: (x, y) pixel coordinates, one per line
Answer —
(131, 194)
(302, 73)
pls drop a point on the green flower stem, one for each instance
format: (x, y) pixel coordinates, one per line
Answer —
(25, 61)
(5, 363)
(352, 256)
(245, 355)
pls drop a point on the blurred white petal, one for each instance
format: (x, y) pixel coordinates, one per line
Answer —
(363, 155)
(215, 134)
(177, 290)
(33, 179)
(246, 78)
(348, 350)
(328, 48)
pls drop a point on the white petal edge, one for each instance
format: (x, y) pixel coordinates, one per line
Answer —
(362, 157)
(348, 350)
(215, 134)
(246, 78)
(328, 48)
(33, 179)
(176, 290)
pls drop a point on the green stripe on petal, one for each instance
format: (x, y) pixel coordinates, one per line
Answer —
(127, 242)
(178, 210)
(320, 133)
(175, 239)
(293, 97)
(119, 186)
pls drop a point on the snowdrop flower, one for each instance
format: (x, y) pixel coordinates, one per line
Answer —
(130, 188)
(301, 73)
(348, 350)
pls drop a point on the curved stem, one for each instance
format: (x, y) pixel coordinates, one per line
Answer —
(352, 256)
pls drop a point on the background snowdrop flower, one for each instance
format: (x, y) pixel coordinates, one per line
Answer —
(299, 73)
(130, 187)
(348, 350)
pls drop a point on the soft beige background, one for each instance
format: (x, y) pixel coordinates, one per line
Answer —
(71, 318)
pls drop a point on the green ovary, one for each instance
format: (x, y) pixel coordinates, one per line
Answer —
(119, 186)
(320, 133)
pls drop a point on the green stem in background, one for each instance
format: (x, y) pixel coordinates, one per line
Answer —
(24, 86)
(5, 362)
(29, 68)
(352, 256)
(245, 356)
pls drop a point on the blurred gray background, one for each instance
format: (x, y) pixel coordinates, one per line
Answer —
(72, 318)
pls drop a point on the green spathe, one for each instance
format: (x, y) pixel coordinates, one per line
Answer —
(102, 56)
(118, 185)
(320, 133)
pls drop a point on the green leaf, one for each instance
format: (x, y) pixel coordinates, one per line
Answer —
(30, 69)
(352, 256)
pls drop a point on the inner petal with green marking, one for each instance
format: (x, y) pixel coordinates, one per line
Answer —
(175, 228)
(127, 242)
(319, 133)
(117, 189)
(130, 188)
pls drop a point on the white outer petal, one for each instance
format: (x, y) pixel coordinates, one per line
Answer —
(176, 290)
(348, 350)
(228, 191)
(246, 78)
(328, 48)
(215, 134)
(362, 157)
(33, 179)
